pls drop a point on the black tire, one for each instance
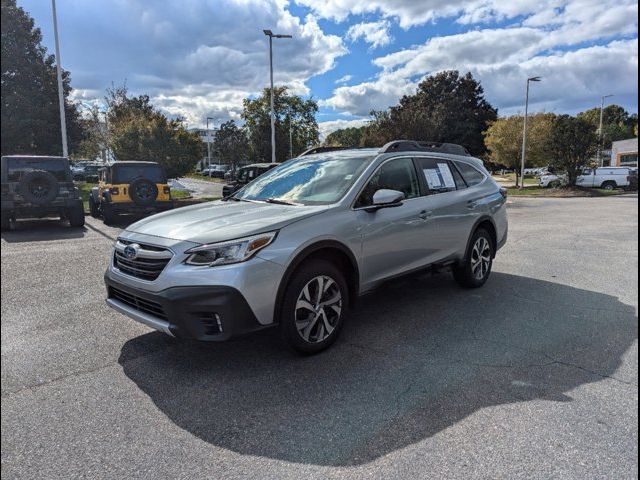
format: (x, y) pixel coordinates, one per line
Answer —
(291, 319)
(108, 215)
(143, 192)
(6, 221)
(470, 274)
(93, 208)
(39, 187)
(610, 186)
(75, 215)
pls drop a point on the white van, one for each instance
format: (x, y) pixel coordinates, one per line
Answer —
(608, 178)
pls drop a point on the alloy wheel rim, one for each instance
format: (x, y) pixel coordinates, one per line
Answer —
(318, 309)
(480, 258)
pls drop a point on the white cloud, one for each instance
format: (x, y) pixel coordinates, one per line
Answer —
(344, 79)
(375, 33)
(195, 59)
(544, 44)
(332, 125)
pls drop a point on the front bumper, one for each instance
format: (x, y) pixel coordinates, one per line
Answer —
(213, 313)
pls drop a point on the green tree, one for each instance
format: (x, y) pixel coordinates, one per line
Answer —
(446, 107)
(571, 145)
(30, 116)
(503, 139)
(345, 137)
(138, 131)
(293, 114)
(617, 124)
(230, 145)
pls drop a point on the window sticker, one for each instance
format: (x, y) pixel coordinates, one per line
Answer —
(447, 176)
(432, 177)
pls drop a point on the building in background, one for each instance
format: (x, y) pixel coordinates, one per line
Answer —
(624, 153)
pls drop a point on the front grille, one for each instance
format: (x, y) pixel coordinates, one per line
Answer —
(140, 304)
(147, 265)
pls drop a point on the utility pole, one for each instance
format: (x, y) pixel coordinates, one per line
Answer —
(524, 133)
(600, 136)
(63, 121)
(209, 145)
(271, 36)
(290, 140)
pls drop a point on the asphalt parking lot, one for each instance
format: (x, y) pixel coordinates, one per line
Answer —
(533, 376)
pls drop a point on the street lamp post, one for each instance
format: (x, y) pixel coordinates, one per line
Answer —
(524, 133)
(209, 145)
(600, 137)
(271, 36)
(63, 121)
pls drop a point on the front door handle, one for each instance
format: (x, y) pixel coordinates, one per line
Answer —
(424, 215)
(471, 204)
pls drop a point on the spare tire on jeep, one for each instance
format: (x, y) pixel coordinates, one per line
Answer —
(39, 187)
(143, 192)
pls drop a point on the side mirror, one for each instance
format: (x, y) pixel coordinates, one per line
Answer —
(385, 198)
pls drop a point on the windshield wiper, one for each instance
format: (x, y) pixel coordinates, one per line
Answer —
(279, 201)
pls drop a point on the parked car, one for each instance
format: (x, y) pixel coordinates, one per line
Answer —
(608, 178)
(87, 173)
(297, 246)
(37, 187)
(219, 171)
(245, 175)
(130, 187)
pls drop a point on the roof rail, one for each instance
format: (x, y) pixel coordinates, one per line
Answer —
(321, 149)
(421, 146)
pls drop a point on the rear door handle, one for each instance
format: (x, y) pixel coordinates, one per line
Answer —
(471, 204)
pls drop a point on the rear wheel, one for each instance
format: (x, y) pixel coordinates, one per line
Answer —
(314, 307)
(475, 269)
(610, 186)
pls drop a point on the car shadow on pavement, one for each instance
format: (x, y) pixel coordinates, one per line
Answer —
(46, 229)
(417, 357)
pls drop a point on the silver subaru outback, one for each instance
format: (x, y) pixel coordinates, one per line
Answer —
(298, 245)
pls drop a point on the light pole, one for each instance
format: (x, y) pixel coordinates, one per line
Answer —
(271, 36)
(600, 138)
(290, 139)
(63, 121)
(209, 144)
(524, 133)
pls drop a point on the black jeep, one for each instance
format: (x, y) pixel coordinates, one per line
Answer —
(37, 187)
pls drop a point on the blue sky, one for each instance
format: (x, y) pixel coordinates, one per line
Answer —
(200, 58)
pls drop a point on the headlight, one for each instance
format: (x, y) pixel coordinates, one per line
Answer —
(233, 251)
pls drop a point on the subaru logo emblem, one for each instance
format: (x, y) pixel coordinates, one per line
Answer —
(131, 251)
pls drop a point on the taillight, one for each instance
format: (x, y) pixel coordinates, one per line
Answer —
(114, 191)
(504, 192)
(166, 189)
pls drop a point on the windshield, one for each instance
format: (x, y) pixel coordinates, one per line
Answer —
(128, 173)
(315, 180)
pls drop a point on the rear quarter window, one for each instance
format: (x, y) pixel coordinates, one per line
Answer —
(471, 175)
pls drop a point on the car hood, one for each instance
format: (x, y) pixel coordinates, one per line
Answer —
(219, 221)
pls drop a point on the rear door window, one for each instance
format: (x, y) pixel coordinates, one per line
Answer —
(471, 175)
(440, 175)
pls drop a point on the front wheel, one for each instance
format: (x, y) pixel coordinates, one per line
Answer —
(75, 215)
(314, 307)
(475, 269)
(108, 215)
(6, 221)
(93, 207)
